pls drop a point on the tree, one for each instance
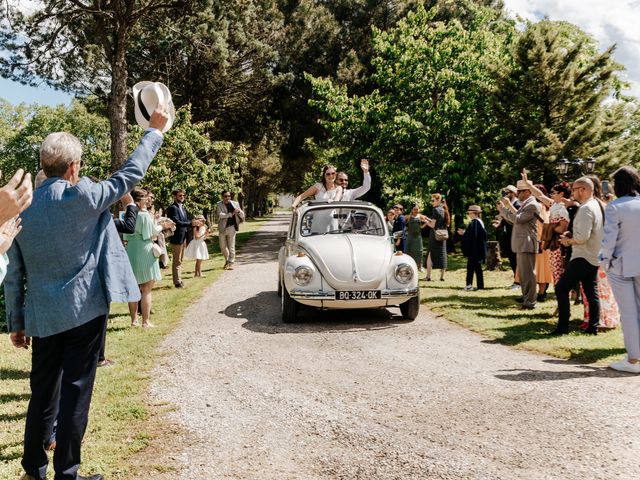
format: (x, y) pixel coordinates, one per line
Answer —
(425, 124)
(189, 159)
(560, 98)
(30, 125)
(81, 47)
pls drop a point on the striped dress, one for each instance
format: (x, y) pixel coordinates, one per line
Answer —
(144, 264)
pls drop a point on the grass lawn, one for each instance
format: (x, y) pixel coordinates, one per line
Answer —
(494, 313)
(121, 422)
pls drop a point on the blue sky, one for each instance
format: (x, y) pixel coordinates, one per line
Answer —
(608, 21)
(15, 93)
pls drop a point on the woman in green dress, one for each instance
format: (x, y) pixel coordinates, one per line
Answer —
(415, 223)
(144, 263)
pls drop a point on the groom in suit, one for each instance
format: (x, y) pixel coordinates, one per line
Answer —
(71, 275)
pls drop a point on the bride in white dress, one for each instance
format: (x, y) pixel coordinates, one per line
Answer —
(327, 190)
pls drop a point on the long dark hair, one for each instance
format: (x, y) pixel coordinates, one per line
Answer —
(626, 182)
(324, 177)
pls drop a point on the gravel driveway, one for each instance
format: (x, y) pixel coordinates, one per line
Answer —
(366, 395)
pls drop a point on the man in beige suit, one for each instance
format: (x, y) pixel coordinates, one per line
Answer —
(524, 239)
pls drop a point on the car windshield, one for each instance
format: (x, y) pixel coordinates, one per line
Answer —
(358, 220)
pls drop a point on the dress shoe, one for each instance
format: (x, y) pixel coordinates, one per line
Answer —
(542, 297)
(590, 331)
(527, 307)
(519, 299)
(557, 332)
(179, 285)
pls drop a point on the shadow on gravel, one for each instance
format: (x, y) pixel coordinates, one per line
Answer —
(262, 314)
(532, 375)
(263, 248)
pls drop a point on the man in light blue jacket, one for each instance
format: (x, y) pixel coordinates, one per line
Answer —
(619, 258)
(71, 271)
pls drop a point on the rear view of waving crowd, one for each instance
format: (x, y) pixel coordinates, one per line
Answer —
(574, 237)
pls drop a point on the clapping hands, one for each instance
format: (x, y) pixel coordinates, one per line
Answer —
(8, 231)
(15, 196)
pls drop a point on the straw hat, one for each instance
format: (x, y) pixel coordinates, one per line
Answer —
(474, 208)
(522, 185)
(147, 96)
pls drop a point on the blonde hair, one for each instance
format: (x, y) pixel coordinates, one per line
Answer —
(58, 151)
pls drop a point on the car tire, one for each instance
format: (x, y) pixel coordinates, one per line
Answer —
(410, 308)
(289, 307)
(279, 285)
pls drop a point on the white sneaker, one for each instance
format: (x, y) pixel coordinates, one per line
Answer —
(514, 286)
(625, 366)
(468, 288)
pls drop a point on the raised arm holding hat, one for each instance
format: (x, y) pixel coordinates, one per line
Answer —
(63, 303)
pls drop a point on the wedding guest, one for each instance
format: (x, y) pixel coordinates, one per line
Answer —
(524, 240)
(59, 308)
(504, 230)
(143, 261)
(197, 249)
(583, 266)
(544, 274)
(474, 247)
(342, 179)
(415, 222)
(178, 215)
(391, 218)
(230, 215)
(609, 312)
(440, 220)
(399, 230)
(619, 258)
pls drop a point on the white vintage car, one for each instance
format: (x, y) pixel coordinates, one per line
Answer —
(339, 255)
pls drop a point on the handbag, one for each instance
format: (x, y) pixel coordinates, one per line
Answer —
(441, 234)
(549, 237)
(156, 250)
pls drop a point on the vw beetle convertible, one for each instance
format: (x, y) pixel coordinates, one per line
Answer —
(339, 255)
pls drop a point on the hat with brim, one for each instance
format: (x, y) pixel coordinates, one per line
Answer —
(149, 96)
(510, 188)
(474, 208)
(523, 185)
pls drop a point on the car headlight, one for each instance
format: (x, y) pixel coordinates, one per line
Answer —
(404, 273)
(302, 275)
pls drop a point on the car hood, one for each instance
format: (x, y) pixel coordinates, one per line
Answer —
(350, 261)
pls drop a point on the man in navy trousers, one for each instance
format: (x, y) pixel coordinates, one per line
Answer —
(72, 271)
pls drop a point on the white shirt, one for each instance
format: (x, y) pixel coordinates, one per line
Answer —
(353, 193)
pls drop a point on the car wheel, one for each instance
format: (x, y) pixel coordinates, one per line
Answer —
(410, 308)
(289, 307)
(279, 285)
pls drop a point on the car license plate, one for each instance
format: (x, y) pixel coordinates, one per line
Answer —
(359, 295)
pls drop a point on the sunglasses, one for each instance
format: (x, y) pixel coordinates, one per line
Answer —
(329, 174)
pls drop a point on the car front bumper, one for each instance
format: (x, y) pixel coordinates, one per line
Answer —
(330, 296)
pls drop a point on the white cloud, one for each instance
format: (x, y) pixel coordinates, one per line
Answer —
(608, 22)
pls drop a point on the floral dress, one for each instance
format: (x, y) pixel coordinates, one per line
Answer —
(609, 314)
(557, 213)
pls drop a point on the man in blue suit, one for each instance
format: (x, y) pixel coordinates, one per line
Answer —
(72, 270)
(177, 213)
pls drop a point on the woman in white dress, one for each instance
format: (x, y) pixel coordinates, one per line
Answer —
(327, 190)
(197, 249)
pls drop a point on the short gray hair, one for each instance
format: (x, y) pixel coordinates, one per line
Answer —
(58, 151)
